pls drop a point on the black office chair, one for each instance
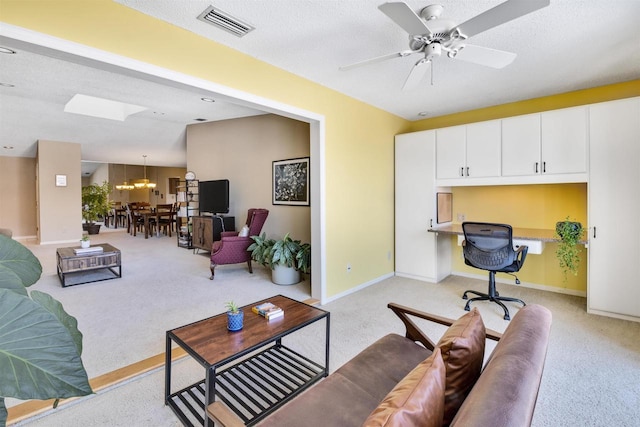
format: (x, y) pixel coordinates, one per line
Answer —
(490, 247)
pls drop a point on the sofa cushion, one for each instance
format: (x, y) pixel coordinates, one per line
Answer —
(356, 388)
(506, 392)
(417, 400)
(244, 231)
(462, 348)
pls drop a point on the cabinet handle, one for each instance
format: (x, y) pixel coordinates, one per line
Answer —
(544, 167)
(467, 170)
(536, 167)
(430, 222)
(594, 232)
(462, 171)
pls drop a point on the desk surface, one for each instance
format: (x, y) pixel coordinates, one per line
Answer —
(540, 234)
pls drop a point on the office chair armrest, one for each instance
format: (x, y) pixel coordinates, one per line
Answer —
(414, 333)
(521, 254)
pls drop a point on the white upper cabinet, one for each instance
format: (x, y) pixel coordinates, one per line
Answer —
(450, 152)
(564, 140)
(483, 149)
(469, 151)
(521, 145)
(549, 143)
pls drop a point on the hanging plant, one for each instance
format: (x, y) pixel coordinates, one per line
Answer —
(568, 253)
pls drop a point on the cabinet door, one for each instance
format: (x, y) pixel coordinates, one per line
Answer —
(521, 145)
(614, 202)
(450, 152)
(416, 254)
(564, 140)
(483, 149)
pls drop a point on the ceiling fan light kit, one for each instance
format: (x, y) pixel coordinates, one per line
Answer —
(429, 35)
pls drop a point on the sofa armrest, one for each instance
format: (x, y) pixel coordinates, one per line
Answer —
(414, 333)
(223, 416)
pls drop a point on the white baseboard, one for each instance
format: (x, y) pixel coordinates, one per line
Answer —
(524, 284)
(357, 288)
(614, 315)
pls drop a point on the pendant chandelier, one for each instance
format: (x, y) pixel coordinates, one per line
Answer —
(125, 185)
(144, 183)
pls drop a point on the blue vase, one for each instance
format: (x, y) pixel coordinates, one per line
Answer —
(235, 320)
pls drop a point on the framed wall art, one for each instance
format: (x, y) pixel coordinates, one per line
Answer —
(291, 182)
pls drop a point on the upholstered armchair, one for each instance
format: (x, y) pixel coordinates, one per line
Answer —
(232, 248)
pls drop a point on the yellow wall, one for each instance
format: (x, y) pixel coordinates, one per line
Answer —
(526, 206)
(545, 103)
(359, 137)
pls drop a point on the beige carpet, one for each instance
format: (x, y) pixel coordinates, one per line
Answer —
(592, 375)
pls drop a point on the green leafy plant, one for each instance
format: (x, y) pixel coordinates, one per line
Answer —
(95, 201)
(568, 253)
(285, 251)
(40, 344)
(85, 238)
(232, 307)
(261, 249)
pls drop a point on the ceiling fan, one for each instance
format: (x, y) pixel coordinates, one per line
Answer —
(431, 36)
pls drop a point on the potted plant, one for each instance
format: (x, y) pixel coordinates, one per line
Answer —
(95, 204)
(85, 241)
(41, 344)
(568, 254)
(286, 257)
(235, 316)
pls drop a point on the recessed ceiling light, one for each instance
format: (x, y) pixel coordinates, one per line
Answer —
(423, 113)
(7, 50)
(8, 147)
(7, 85)
(200, 120)
(208, 100)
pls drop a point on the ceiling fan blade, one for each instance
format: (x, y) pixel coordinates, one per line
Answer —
(485, 56)
(378, 59)
(500, 14)
(417, 74)
(405, 17)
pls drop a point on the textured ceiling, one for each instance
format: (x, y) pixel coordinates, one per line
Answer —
(569, 45)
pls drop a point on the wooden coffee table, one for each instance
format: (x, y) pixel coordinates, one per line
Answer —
(250, 370)
(70, 263)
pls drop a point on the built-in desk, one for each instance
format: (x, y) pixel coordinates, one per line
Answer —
(534, 238)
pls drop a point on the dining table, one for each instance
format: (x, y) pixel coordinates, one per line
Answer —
(153, 213)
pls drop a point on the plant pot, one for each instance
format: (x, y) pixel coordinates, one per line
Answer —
(85, 243)
(92, 228)
(574, 227)
(283, 275)
(235, 321)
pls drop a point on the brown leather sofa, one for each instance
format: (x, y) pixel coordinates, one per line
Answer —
(367, 389)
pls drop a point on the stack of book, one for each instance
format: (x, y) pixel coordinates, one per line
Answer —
(268, 310)
(89, 250)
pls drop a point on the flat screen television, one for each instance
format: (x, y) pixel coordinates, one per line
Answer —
(214, 196)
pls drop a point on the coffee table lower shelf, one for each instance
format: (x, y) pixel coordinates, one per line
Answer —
(252, 388)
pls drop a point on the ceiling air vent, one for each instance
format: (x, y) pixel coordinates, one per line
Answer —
(221, 19)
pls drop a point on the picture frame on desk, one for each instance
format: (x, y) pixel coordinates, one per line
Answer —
(291, 182)
(444, 203)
